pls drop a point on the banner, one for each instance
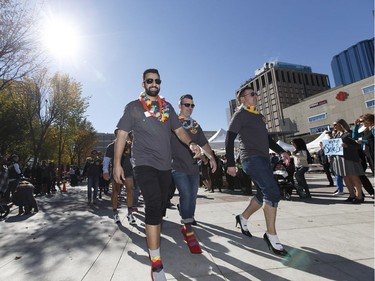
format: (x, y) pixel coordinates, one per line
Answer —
(333, 147)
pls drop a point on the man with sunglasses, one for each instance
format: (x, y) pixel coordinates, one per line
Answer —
(152, 120)
(255, 143)
(185, 170)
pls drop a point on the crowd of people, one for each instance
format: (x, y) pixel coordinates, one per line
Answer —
(157, 150)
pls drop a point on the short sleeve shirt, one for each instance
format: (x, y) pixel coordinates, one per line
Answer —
(110, 152)
(151, 138)
(182, 156)
(253, 134)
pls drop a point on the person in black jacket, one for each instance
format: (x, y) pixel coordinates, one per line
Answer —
(92, 170)
(348, 165)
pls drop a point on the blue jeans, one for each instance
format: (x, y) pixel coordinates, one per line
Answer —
(260, 171)
(187, 186)
(92, 183)
(339, 184)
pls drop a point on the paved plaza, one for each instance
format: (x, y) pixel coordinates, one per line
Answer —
(70, 241)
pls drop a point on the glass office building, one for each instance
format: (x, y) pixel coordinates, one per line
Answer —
(354, 64)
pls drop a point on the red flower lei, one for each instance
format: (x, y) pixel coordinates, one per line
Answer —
(161, 111)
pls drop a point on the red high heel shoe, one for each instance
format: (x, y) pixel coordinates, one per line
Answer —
(191, 241)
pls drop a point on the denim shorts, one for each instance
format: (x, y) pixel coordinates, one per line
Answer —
(260, 171)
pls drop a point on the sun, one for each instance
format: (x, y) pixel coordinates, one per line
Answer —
(61, 38)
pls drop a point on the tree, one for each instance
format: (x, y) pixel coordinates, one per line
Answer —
(13, 129)
(19, 52)
(71, 106)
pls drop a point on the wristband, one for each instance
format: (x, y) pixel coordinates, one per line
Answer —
(190, 142)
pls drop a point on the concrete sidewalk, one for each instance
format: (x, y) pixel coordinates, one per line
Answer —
(69, 240)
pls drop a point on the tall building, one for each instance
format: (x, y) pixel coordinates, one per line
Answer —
(354, 64)
(280, 85)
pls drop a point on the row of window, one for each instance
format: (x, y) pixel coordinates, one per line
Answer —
(319, 80)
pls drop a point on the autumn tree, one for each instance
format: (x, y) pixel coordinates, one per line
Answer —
(71, 106)
(19, 50)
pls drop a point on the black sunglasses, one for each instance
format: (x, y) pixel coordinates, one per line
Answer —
(253, 94)
(189, 104)
(150, 81)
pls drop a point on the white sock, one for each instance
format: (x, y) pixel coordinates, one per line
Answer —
(243, 222)
(275, 241)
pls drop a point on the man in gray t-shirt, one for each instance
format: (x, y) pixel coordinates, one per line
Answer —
(255, 143)
(151, 119)
(186, 171)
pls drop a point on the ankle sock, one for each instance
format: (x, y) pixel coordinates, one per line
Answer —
(157, 270)
(275, 241)
(244, 223)
(130, 210)
(188, 227)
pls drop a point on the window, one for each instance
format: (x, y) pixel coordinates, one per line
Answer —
(319, 129)
(323, 84)
(269, 76)
(369, 103)
(282, 76)
(306, 80)
(368, 89)
(287, 74)
(317, 118)
(277, 76)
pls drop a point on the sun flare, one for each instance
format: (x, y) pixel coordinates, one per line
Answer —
(61, 39)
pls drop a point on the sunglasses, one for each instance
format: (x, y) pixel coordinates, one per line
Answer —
(253, 94)
(189, 104)
(150, 81)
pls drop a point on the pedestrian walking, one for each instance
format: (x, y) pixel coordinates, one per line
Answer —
(92, 171)
(255, 143)
(128, 182)
(185, 169)
(151, 119)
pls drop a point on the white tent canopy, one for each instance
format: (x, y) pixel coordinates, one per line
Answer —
(286, 146)
(314, 145)
(217, 141)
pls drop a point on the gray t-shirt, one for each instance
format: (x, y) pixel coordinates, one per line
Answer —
(151, 138)
(182, 156)
(253, 134)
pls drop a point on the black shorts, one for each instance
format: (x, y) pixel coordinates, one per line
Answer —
(127, 167)
(154, 185)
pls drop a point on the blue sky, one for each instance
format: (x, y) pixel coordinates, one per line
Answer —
(207, 48)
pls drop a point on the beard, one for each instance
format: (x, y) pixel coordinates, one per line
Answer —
(152, 93)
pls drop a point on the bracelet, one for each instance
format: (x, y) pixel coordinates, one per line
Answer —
(190, 142)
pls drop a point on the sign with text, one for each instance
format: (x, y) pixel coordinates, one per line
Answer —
(333, 147)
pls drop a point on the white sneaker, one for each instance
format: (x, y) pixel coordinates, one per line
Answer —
(131, 219)
(116, 218)
(338, 193)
